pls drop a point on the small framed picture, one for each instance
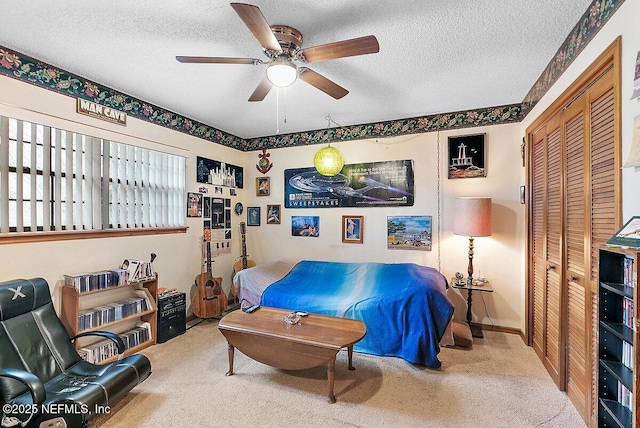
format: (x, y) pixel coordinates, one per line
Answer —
(273, 214)
(194, 204)
(467, 156)
(263, 186)
(306, 225)
(352, 229)
(253, 216)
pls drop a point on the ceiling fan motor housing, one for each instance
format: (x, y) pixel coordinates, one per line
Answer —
(289, 38)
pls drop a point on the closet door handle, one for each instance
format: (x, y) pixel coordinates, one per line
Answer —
(551, 267)
(571, 278)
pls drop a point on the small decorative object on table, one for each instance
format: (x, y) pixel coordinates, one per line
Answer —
(292, 318)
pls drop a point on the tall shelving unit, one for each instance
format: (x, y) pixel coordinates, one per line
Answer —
(618, 338)
(72, 304)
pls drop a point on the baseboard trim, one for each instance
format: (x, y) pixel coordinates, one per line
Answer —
(501, 329)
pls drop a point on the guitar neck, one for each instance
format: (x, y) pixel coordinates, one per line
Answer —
(244, 252)
(243, 232)
(209, 270)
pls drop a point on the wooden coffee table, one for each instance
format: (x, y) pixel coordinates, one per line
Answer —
(316, 339)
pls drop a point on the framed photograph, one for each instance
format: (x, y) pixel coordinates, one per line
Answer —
(273, 214)
(194, 204)
(253, 216)
(352, 229)
(467, 156)
(263, 186)
(218, 173)
(305, 225)
(409, 233)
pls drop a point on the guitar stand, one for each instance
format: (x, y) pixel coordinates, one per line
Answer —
(230, 308)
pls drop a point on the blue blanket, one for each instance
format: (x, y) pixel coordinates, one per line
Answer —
(403, 305)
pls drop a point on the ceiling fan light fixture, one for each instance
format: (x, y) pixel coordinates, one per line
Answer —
(282, 72)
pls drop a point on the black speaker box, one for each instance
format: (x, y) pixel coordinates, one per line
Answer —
(172, 317)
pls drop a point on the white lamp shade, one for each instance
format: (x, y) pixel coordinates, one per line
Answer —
(282, 73)
(328, 161)
(472, 217)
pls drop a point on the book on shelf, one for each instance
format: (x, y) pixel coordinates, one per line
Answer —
(627, 312)
(91, 281)
(627, 355)
(628, 272)
(115, 311)
(625, 397)
(104, 349)
(137, 270)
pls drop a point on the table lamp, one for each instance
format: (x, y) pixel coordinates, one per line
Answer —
(472, 218)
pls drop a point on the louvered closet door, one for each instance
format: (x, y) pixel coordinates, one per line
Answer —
(546, 234)
(577, 216)
(539, 272)
(575, 207)
(604, 185)
(554, 356)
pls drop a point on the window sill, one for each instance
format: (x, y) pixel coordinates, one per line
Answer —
(17, 238)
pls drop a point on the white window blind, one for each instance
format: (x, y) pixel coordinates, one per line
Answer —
(52, 179)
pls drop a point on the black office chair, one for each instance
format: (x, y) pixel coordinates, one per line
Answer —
(43, 380)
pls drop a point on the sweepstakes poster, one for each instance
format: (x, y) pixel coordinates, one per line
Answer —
(374, 184)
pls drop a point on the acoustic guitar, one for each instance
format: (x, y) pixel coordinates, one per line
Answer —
(209, 300)
(243, 262)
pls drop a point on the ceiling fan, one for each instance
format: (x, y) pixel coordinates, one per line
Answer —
(282, 46)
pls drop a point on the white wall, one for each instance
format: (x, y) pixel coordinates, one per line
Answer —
(179, 255)
(499, 257)
(623, 23)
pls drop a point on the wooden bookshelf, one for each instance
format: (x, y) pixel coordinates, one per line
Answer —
(71, 299)
(618, 338)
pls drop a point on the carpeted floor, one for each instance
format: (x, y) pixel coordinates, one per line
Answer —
(499, 382)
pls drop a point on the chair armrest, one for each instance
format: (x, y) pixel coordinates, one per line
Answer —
(31, 381)
(106, 334)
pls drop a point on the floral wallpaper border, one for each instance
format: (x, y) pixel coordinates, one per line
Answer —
(18, 66)
(587, 27)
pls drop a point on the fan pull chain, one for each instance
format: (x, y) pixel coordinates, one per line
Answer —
(285, 105)
(277, 111)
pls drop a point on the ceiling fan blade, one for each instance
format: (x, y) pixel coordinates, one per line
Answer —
(217, 60)
(322, 83)
(255, 20)
(261, 91)
(352, 47)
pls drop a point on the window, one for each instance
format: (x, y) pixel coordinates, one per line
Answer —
(54, 180)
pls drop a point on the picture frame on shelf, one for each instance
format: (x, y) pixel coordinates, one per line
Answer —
(273, 214)
(352, 229)
(628, 235)
(263, 186)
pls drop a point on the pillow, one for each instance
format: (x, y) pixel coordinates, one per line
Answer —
(461, 334)
(447, 337)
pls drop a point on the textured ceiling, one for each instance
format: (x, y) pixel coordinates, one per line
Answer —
(435, 56)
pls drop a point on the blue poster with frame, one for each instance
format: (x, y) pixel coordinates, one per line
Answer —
(374, 184)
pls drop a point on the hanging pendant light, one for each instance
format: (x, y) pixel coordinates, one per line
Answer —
(328, 161)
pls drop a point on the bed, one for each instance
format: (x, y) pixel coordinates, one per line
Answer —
(403, 305)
